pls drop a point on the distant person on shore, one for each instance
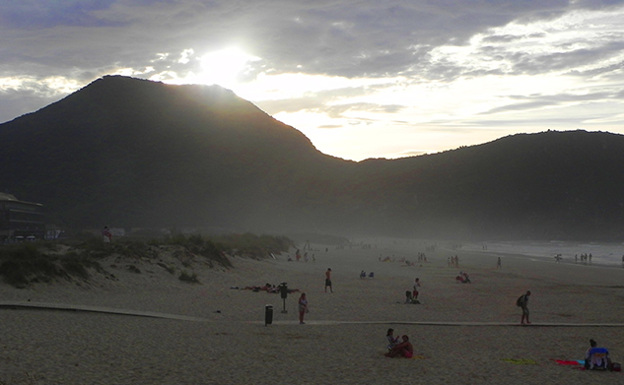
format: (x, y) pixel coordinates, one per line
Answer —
(303, 307)
(392, 340)
(415, 292)
(596, 357)
(404, 349)
(523, 302)
(328, 282)
(107, 236)
(498, 263)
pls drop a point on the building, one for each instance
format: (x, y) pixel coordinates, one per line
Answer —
(20, 220)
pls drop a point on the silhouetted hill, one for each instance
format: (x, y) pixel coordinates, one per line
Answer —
(551, 185)
(129, 152)
(138, 153)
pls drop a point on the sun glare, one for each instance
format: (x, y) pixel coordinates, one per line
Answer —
(223, 67)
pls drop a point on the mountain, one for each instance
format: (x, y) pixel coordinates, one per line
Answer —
(134, 153)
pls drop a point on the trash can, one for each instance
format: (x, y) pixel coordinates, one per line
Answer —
(268, 315)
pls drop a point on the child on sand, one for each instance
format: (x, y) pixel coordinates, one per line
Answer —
(392, 340)
(303, 307)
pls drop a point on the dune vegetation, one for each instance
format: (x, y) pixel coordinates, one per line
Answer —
(77, 259)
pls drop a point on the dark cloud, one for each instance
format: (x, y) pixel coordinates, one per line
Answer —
(39, 14)
(567, 60)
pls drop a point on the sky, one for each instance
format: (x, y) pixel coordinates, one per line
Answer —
(361, 79)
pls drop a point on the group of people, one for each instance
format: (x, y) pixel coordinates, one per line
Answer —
(463, 277)
(453, 261)
(298, 257)
(411, 296)
(399, 348)
(266, 287)
(585, 258)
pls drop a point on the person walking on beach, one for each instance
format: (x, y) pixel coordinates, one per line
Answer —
(303, 307)
(498, 263)
(523, 302)
(328, 282)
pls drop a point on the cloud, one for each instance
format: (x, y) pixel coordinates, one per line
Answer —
(365, 61)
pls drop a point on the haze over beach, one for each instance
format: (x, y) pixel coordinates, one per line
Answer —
(389, 138)
(360, 79)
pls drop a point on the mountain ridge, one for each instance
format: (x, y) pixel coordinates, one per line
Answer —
(136, 153)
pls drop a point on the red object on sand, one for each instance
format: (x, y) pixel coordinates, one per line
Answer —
(566, 362)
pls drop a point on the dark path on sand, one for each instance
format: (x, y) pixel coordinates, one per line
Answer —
(25, 305)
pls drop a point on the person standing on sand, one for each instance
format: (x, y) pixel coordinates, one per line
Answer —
(106, 235)
(498, 263)
(416, 286)
(523, 302)
(303, 307)
(328, 282)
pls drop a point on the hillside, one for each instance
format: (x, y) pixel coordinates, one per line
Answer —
(134, 153)
(139, 153)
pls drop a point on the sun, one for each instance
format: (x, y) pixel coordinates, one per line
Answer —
(223, 67)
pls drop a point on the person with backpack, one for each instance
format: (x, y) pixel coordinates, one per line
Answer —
(523, 302)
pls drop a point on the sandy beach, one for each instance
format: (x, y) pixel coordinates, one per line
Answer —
(462, 333)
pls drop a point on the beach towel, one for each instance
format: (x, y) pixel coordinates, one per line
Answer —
(574, 364)
(570, 362)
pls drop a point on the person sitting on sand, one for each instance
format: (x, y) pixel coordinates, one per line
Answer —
(404, 349)
(596, 357)
(392, 340)
(362, 274)
(463, 277)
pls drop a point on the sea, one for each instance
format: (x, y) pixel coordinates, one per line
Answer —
(606, 254)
